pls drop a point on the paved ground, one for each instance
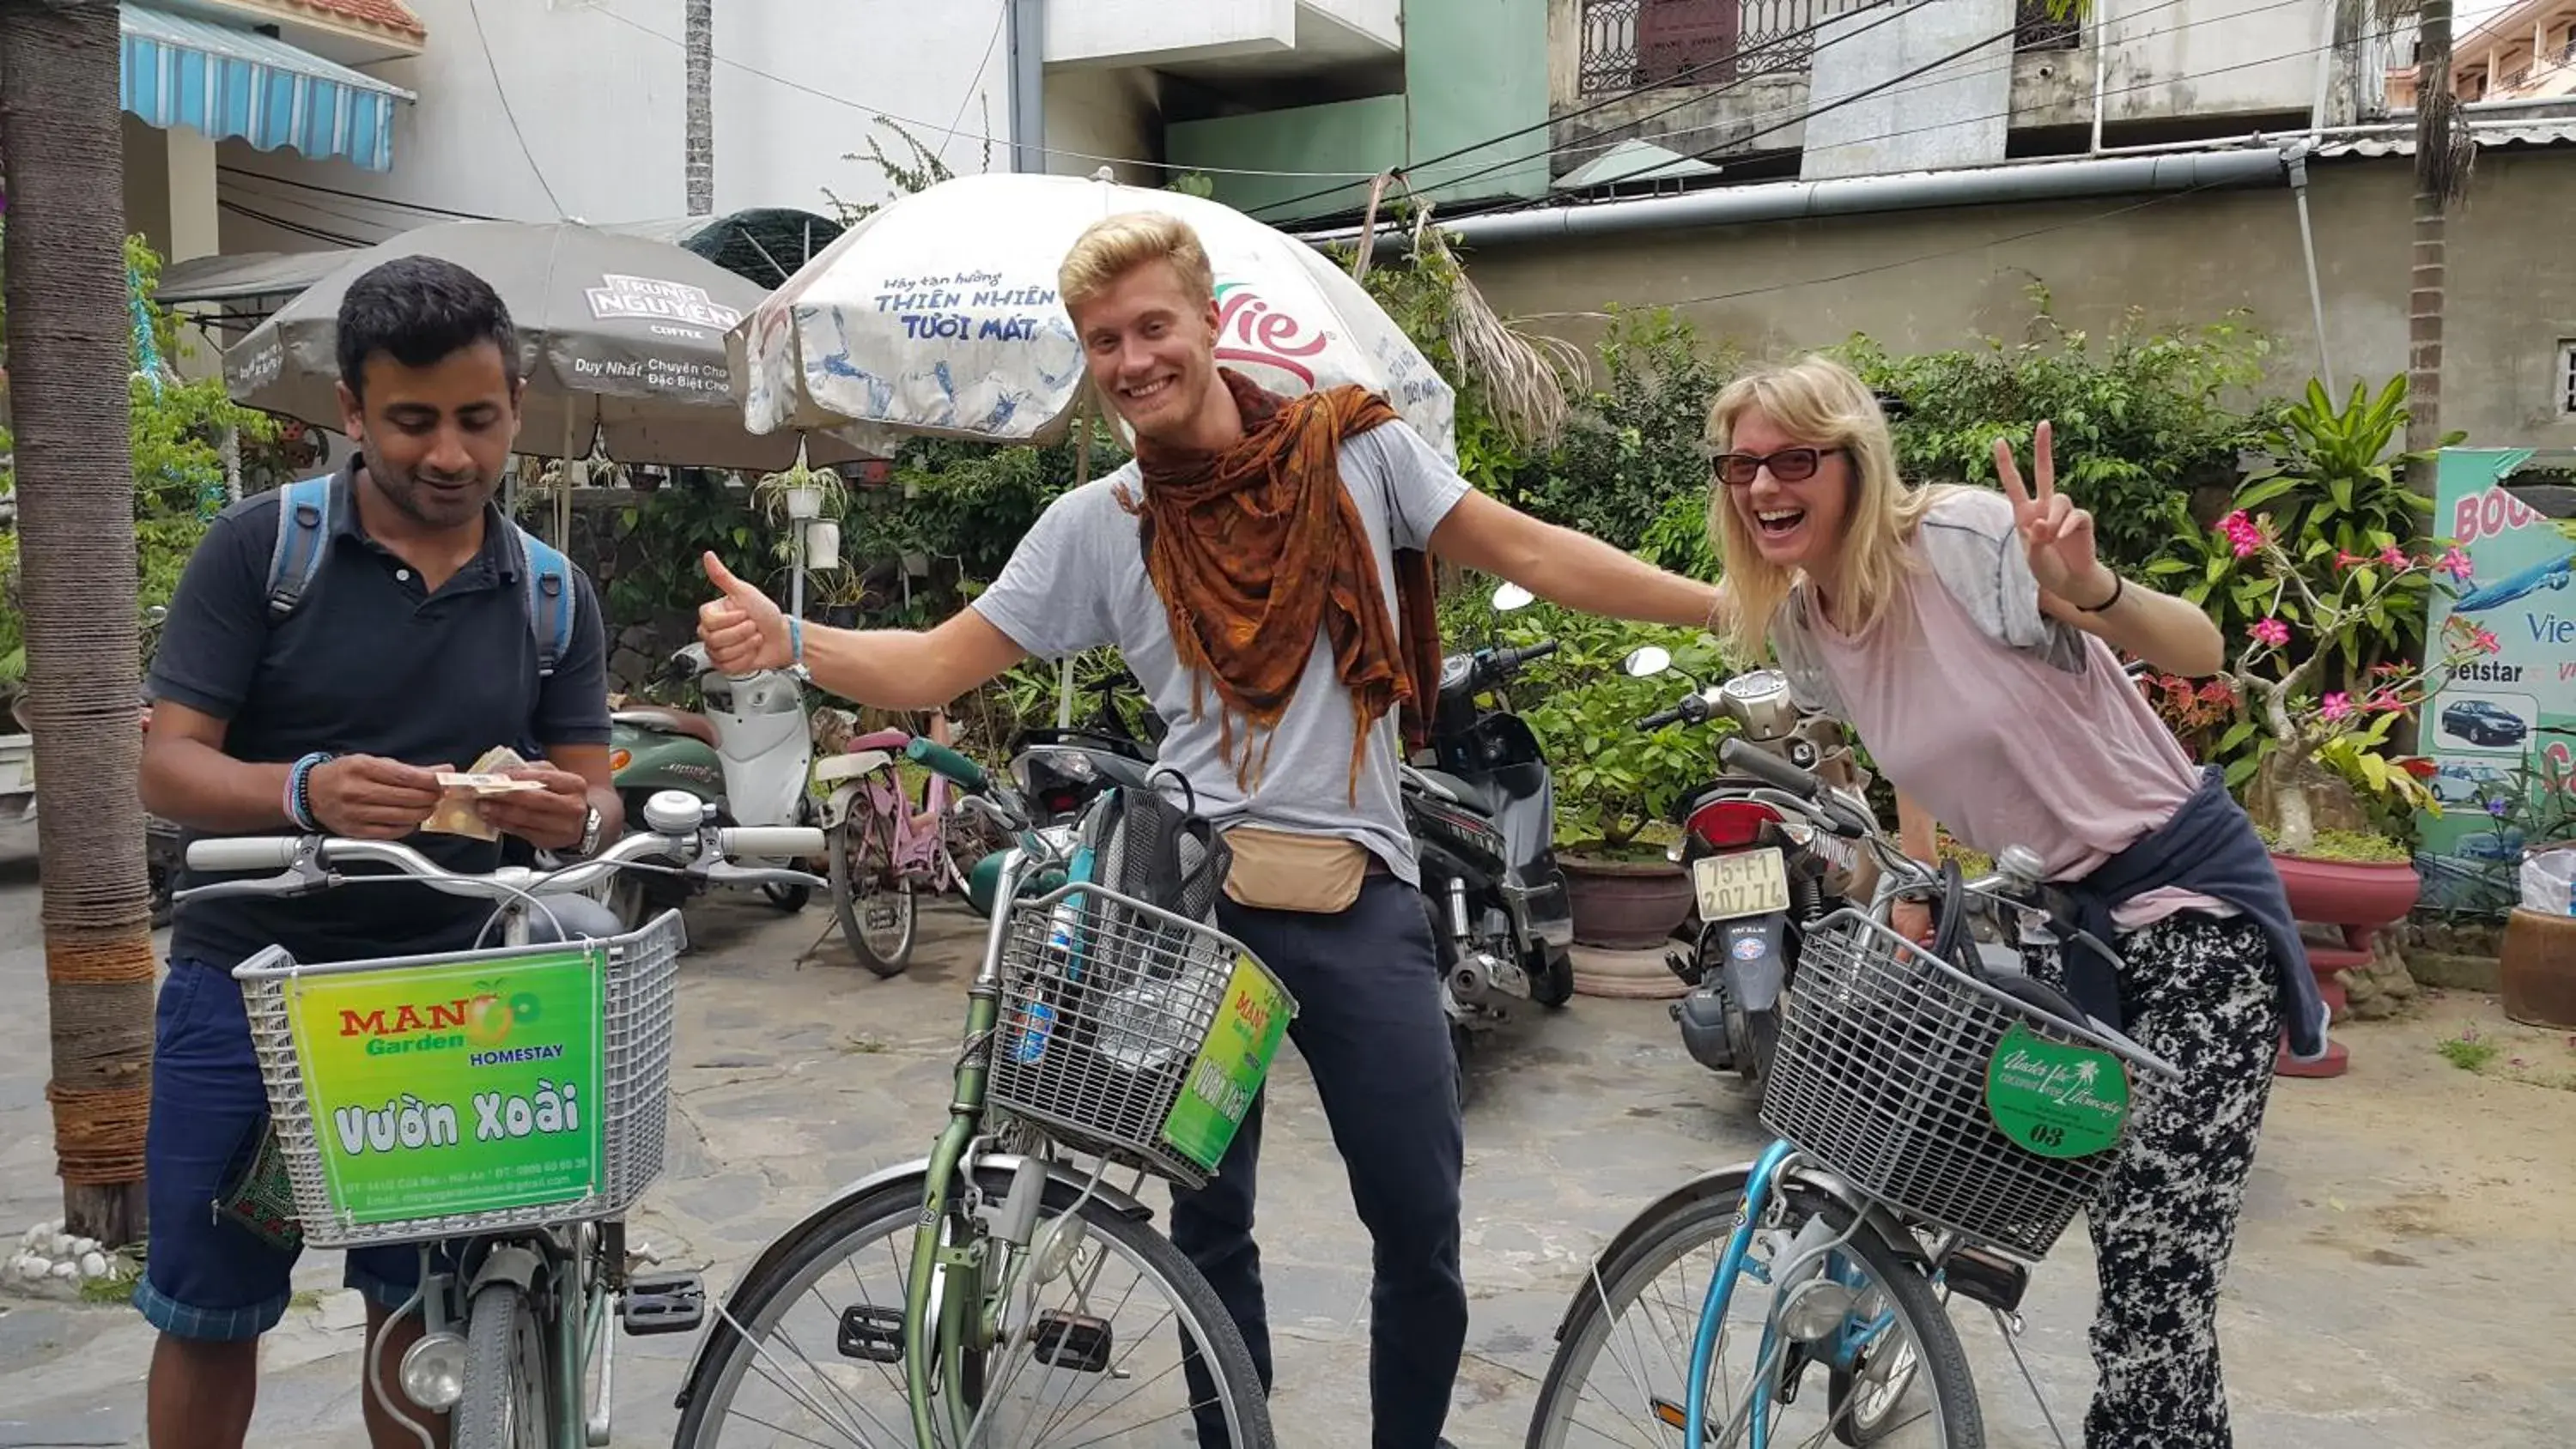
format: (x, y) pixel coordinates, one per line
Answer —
(2403, 1281)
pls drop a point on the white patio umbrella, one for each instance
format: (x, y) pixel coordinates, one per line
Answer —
(938, 316)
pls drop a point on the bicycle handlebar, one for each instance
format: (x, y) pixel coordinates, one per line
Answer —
(949, 764)
(311, 862)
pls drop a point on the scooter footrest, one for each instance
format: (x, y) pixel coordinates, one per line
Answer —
(662, 1303)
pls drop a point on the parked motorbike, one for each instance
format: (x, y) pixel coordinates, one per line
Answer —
(1060, 769)
(1760, 874)
(1481, 804)
(747, 759)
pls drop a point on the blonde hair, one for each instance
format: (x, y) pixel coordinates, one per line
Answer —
(1113, 246)
(1820, 403)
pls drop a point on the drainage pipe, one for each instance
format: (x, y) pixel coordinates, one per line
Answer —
(2295, 160)
(1028, 86)
(1855, 196)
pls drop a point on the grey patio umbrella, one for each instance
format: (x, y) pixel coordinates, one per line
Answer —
(622, 340)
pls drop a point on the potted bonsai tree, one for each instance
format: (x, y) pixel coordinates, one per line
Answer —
(2321, 752)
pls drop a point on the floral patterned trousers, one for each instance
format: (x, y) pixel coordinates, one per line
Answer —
(2198, 991)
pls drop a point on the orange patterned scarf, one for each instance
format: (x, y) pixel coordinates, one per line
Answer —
(1256, 548)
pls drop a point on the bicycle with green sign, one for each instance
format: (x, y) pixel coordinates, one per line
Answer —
(503, 1108)
(1939, 1122)
(982, 1296)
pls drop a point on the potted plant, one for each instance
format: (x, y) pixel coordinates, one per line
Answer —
(1616, 787)
(801, 493)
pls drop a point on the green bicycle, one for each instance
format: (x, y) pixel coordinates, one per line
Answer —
(990, 1294)
(503, 1108)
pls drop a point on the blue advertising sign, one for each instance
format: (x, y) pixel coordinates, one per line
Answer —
(2503, 727)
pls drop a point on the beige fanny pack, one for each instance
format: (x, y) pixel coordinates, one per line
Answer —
(1277, 870)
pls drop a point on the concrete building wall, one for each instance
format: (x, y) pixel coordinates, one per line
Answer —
(1096, 113)
(592, 98)
(1929, 280)
(1878, 110)
(2167, 60)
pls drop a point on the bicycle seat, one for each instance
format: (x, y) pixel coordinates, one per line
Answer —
(891, 741)
(664, 720)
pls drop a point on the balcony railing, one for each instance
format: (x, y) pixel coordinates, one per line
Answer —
(1633, 45)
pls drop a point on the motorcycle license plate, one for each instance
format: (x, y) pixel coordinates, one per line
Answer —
(1748, 883)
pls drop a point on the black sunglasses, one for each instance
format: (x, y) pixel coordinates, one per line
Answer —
(1789, 465)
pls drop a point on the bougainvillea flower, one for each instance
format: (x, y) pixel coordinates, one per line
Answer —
(2486, 641)
(2456, 564)
(2270, 631)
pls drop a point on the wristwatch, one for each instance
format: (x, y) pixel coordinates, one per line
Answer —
(589, 843)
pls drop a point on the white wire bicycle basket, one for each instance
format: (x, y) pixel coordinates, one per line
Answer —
(1131, 1033)
(1888, 1061)
(425, 1097)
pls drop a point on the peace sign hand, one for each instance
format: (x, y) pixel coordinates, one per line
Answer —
(2058, 534)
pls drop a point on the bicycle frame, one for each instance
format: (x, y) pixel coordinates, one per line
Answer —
(933, 1257)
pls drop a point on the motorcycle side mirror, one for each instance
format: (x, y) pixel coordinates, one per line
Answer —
(158, 613)
(1512, 596)
(1646, 661)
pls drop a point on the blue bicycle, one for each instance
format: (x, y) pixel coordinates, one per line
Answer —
(1938, 1122)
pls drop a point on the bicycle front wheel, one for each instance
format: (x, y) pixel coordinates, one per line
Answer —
(811, 1352)
(509, 1392)
(1888, 1371)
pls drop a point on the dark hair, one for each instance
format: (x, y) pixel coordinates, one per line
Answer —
(420, 311)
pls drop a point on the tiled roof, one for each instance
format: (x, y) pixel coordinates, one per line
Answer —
(390, 15)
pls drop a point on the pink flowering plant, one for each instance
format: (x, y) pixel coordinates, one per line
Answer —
(2305, 715)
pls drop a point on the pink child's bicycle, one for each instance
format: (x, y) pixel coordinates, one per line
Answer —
(884, 850)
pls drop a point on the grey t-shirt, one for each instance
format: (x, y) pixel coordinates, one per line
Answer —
(1078, 581)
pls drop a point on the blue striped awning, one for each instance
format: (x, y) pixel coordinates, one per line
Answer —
(182, 71)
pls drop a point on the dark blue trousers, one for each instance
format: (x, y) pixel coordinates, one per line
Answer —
(1371, 1027)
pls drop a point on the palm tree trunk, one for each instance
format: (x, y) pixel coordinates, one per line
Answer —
(698, 34)
(69, 360)
(2443, 157)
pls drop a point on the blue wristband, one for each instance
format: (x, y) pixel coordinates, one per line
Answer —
(795, 641)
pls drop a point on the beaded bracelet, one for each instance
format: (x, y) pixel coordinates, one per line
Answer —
(299, 797)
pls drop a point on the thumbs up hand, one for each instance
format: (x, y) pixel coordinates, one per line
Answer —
(744, 631)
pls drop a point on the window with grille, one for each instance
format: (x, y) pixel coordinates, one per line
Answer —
(2567, 379)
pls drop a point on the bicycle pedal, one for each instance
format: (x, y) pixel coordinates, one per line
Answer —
(1075, 1341)
(662, 1303)
(871, 1334)
(1987, 1277)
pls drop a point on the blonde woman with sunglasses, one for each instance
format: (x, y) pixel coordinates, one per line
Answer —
(1972, 640)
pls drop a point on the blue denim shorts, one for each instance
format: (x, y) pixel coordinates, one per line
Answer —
(206, 1276)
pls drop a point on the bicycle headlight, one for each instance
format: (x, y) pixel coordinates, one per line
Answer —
(1815, 1309)
(433, 1371)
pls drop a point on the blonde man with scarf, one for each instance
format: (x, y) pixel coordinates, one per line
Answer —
(1281, 622)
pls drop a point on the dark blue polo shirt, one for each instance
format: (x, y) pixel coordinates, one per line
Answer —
(370, 663)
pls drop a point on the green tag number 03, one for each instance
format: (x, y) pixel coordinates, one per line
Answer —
(2054, 1098)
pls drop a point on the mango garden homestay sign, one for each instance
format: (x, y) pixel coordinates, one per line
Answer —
(2503, 725)
(454, 1088)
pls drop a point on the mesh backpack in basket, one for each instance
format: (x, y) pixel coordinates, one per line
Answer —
(1146, 980)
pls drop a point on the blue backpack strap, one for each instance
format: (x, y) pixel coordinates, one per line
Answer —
(303, 533)
(552, 601)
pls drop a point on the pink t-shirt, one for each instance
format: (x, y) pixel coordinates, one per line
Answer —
(2005, 747)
